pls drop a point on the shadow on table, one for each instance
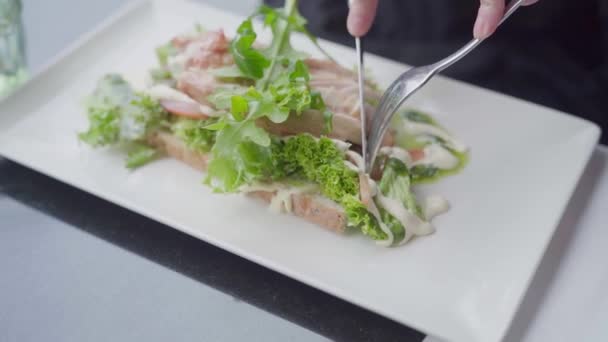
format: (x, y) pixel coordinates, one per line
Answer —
(231, 274)
(557, 249)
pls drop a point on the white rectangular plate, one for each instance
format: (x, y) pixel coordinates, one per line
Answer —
(463, 283)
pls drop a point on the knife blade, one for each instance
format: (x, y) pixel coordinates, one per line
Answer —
(361, 78)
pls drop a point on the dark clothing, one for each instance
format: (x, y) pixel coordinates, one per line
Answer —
(554, 53)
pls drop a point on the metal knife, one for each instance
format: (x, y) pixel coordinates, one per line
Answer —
(361, 74)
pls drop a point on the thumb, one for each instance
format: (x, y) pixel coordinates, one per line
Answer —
(361, 16)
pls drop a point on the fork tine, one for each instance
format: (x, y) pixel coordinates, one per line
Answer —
(389, 103)
(407, 84)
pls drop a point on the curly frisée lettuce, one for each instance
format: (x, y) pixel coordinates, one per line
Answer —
(119, 116)
(300, 157)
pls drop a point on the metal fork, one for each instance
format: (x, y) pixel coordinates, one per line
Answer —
(407, 84)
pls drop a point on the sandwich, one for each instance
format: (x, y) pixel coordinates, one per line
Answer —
(269, 121)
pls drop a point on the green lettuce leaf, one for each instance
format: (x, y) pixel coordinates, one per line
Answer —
(119, 116)
(104, 126)
(229, 168)
(396, 183)
(358, 216)
(297, 23)
(195, 133)
(140, 155)
(165, 51)
(249, 60)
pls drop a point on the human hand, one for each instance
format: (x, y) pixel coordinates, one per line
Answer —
(362, 14)
(489, 16)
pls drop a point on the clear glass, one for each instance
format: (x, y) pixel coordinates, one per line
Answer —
(12, 46)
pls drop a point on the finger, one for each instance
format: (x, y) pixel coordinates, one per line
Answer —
(488, 17)
(361, 16)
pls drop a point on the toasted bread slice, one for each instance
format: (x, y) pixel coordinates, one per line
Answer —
(312, 208)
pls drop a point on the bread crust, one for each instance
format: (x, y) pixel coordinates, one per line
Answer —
(313, 208)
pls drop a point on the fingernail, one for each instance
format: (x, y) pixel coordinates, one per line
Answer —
(482, 28)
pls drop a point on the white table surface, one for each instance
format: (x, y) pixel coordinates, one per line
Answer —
(568, 298)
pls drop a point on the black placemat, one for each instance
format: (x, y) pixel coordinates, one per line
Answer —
(282, 296)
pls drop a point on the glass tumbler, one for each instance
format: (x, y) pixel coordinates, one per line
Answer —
(12, 46)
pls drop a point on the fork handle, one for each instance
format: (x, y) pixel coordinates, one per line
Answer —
(456, 56)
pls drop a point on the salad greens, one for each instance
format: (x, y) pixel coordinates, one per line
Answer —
(140, 154)
(120, 116)
(396, 183)
(194, 133)
(281, 89)
(265, 84)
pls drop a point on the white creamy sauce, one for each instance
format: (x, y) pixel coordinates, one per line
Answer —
(434, 206)
(212, 112)
(414, 226)
(164, 92)
(282, 200)
(139, 80)
(177, 64)
(356, 159)
(356, 107)
(439, 157)
(373, 209)
(417, 128)
(270, 187)
(341, 145)
(397, 153)
(131, 128)
(160, 92)
(351, 166)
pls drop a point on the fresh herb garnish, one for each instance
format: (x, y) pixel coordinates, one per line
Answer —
(281, 89)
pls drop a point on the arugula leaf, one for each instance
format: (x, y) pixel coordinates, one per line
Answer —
(280, 47)
(250, 61)
(140, 154)
(316, 102)
(239, 107)
(221, 99)
(297, 21)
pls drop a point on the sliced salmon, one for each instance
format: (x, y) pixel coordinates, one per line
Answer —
(190, 110)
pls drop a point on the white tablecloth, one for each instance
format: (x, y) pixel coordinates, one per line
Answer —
(568, 298)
